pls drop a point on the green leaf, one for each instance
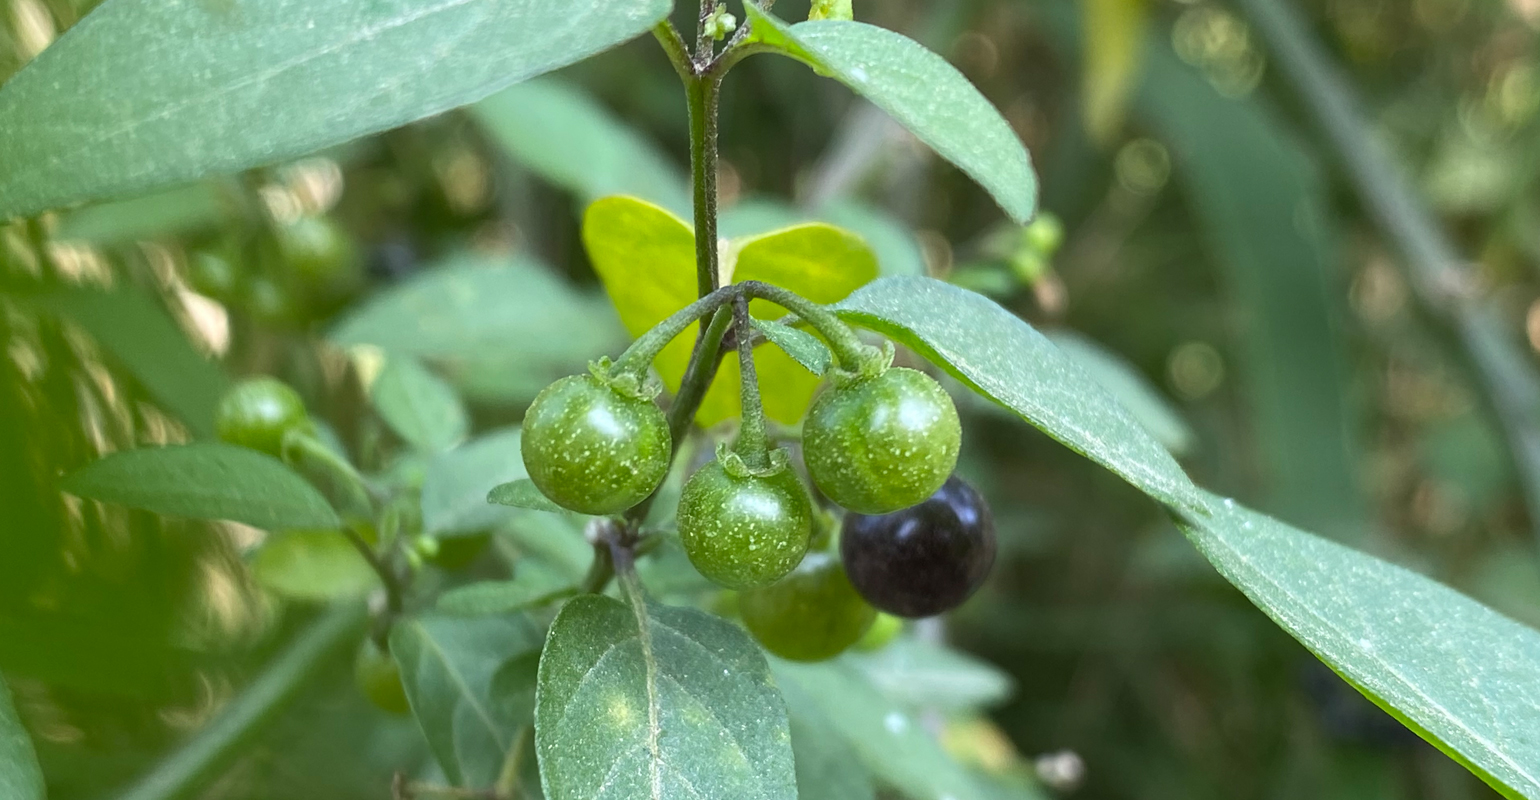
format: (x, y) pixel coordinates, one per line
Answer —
(919, 90)
(922, 675)
(1124, 382)
(136, 331)
(814, 259)
(657, 702)
(205, 481)
(419, 407)
(193, 207)
(888, 739)
(454, 492)
(564, 136)
(20, 776)
(312, 565)
(897, 251)
(252, 82)
(532, 587)
(486, 323)
(1114, 35)
(553, 541)
(803, 347)
(471, 685)
(827, 767)
(1005, 359)
(1459, 674)
(521, 493)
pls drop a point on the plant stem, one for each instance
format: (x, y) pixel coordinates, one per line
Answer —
(701, 92)
(222, 740)
(698, 375)
(848, 349)
(638, 357)
(673, 46)
(751, 445)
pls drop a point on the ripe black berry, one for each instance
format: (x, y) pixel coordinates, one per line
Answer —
(925, 559)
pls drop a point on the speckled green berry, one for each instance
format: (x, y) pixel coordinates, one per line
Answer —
(875, 445)
(742, 529)
(591, 448)
(258, 412)
(810, 615)
(380, 679)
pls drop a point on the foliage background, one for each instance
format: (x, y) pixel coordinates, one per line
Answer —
(1211, 242)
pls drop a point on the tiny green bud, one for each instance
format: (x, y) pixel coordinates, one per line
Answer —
(831, 9)
(720, 23)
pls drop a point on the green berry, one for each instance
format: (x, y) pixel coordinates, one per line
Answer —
(258, 413)
(319, 253)
(810, 615)
(214, 275)
(379, 678)
(884, 630)
(744, 528)
(591, 448)
(879, 444)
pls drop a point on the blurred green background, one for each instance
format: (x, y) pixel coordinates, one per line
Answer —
(1210, 240)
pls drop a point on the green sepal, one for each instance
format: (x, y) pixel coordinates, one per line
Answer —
(874, 362)
(639, 385)
(777, 461)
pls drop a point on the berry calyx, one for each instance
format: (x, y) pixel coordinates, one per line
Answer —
(379, 678)
(923, 560)
(258, 413)
(744, 527)
(594, 447)
(810, 615)
(881, 443)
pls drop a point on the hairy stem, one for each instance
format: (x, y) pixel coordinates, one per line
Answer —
(701, 91)
(638, 357)
(848, 349)
(752, 444)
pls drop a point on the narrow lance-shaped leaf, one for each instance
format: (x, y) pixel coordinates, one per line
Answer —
(208, 480)
(920, 90)
(1462, 676)
(647, 701)
(803, 347)
(161, 93)
(20, 776)
(1005, 359)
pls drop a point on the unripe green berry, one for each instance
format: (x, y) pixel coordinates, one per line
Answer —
(742, 529)
(593, 449)
(810, 615)
(875, 445)
(258, 413)
(379, 678)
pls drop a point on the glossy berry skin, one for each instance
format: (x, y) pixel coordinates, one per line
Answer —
(743, 532)
(258, 412)
(924, 560)
(810, 615)
(379, 678)
(593, 449)
(882, 443)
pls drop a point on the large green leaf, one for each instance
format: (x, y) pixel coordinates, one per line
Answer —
(454, 492)
(418, 406)
(650, 701)
(312, 565)
(567, 138)
(923, 675)
(20, 777)
(209, 480)
(897, 251)
(487, 323)
(922, 92)
(136, 331)
(1124, 382)
(470, 681)
(161, 93)
(1005, 359)
(1461, 675)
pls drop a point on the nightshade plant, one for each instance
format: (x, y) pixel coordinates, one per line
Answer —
(589, 673)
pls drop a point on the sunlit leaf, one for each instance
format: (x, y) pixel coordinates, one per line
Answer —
(20, 776)
(471, 683)
(897, 251)
(252, 82)
(312, 565)
(563, 135)
(1459, 674)
(205, 481)
(1005, 359)
(919, 90)
(1114, 31)
(657, 702)
(418, 406)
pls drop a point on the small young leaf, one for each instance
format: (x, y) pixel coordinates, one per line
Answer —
(567, 138)
(897, 251)
(471, 685)
(1124, 382)
(454, 493)
(920, 90)
(805, 348)
(418, 406)
(313, 565)
(1459, 674)
(252, 82)
(657, 702)
(521, 493)
(1005, 359)
(205, 481)
(531, 587)
(816, 260)
(20, 776)
(922, 675)
(135, 330)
